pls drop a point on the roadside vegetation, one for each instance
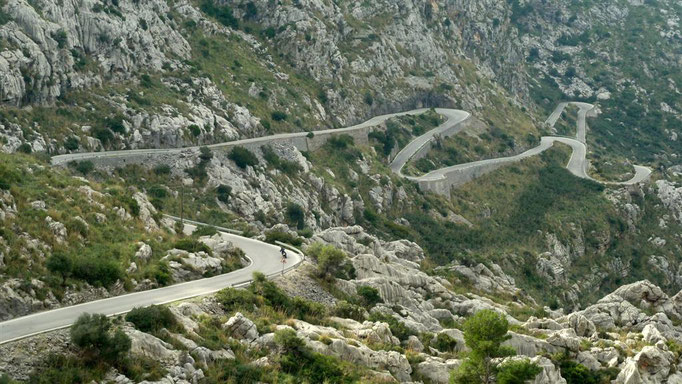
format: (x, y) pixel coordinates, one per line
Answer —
(399, 131)
(67, 231)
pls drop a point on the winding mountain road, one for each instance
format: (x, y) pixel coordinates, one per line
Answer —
(64, 159)
(461, 173)
(263, 258)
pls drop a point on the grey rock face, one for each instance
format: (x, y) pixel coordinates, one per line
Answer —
(241, 328)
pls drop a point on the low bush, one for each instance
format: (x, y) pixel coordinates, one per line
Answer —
(233, 299)
(194, 130)
(369, 296)
(307, 366)
(444, 343)
(163, 169)
(284, 237)
(575, 373)
(348, 310)
(340, 141)
(223, 193)
(331, 262)
(84, 167)
(278, 116)
(191, 245)
(295, 214)
(162, 274)
(95, 270)
(204, 230)
(221, 13)
(243, 157)
(152, 318)
(90, 333)
(517, 372)
(103, 134)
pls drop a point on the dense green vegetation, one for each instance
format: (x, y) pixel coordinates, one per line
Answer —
(152, 318)
(99, 243)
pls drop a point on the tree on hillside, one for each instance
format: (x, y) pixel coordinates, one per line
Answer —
(484, 333)
(90, 333)
(60, 264)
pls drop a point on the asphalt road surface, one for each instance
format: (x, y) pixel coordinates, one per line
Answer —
(264, 258)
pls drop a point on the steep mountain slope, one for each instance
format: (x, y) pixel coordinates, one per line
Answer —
(95, 75)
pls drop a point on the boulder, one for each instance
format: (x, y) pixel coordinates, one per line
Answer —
(436, 369)
(144, 252)
(241, 328)
(146, 345)
(651, 365)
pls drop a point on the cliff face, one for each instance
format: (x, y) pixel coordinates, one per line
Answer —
(162, 67)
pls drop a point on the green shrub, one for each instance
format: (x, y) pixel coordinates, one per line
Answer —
(369, 296)
(90, 333)
(25, 148)
(194, 130)
(152, 318)
(348, 310)
(71, 143)
(204, 230)
(444, 343)
(58, 262)
(238, 299)
(575, 373)
(103, 134)
(295, 215)
(163, 169)
(158, 191)
(223, 193)
(115, 124)
(518, 372)
(4, 17)
(302, 308)
(305, 232)
(162, 274)
(305, 365)
(95, 270)
(205, 154)
(60, 37)
(278, 116)
(221, 13)
(84, 167)
(243, 157)
(341, 141)
(331, 262)
(284, 237)
(369, 99)
(192, 245)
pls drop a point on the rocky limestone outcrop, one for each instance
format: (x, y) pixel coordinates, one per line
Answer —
(241, 328)
(671, 196)
(626, 307)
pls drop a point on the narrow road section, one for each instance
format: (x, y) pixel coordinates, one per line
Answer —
(461, 173)
(264, 258)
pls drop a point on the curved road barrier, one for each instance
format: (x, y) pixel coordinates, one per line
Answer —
(263, 257)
